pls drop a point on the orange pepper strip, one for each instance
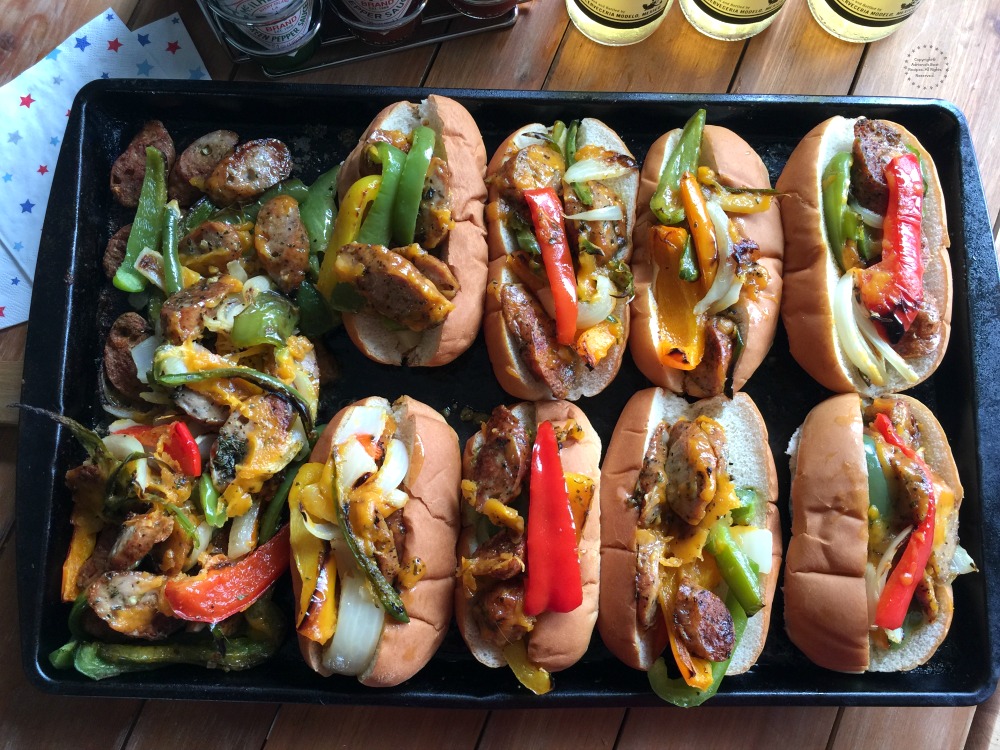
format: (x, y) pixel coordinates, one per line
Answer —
(702, 229)
(682, 333)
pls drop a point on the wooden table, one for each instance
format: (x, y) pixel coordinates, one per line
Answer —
(542, 51)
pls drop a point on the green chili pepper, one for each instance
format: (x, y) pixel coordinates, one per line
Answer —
(346, 298)
(923, 167)
(386, 594)
(745, 514)
(376, 227)
(208, 497)
(666, 201)
(173, 273)
(836, 184)
(854, 228)
(156, 300)
(259, 641)
(198, 214)
(89, 439)
(147, 225)
(678, 692)
(688, 270)
(878, 486)
(527, 241)
(270, 318)
(582, 189)
(739, 345)
(411, 185)
(182, 520)
(621, 276)
(316, 317)
(318, 211)
(271, 521)
(560, 135)
(260, 379)
(119, 481)
(737, 570)
(246, 214)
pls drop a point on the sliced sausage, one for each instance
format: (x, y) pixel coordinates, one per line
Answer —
(694, 459)
(282, 242)
(435, 269)
(703, 623)
(199, 406)
(709, 377)
(265, 418)
(114, 253)
(434, 215)
(534, 333)
(139, 533)
(924, 333)
(502, 463)
(535, 166)
(129, 603)
(500, 557)
(209, 247)
(500, 611)
(182, 316)
(652, 483)
(249, 170)
(874, 146)
(611, 237)
(393, 286)
(385, 552)
(196, 163)
(129, 330)
(129, 169)
(649, 553)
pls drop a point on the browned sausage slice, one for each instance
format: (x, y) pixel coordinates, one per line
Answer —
(282, 242)
(129, 330)
(433, 268)
(209, 247)
(196, 163)
(114, 253)
(249, 170)
(502, 462)
(129, 169)
(534, 333)
(182, 314)
(139, 534)
(703, 623)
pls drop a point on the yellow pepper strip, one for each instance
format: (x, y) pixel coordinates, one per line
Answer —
(702, 229)
(536, 679)
(733, 201)
(696, 672)
(309, 493)
(81, 547)
(682, 333)
(503, 515)
(594, 344)
(581, 494)
(307, 550)
(345, 229)
(320, 622)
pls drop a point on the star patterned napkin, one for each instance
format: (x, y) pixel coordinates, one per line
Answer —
(33, 113)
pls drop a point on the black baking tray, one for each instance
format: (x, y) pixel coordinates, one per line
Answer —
(73, 307)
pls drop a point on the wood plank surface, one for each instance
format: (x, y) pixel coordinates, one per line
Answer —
(552, 730)
(217, 62)
(192, 724)
(923, 727)
(402, 69)
(301, 727)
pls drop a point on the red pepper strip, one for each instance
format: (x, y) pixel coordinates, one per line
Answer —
(218, 593)
(553, 582)
(898, 591)
(180, 445)
(894, 287)
(546, 214)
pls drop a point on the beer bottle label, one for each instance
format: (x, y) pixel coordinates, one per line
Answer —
(739, 11)
(623, 14)
(874, 12)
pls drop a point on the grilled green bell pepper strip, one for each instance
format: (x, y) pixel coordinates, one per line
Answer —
(666, 202)
(147, 225)
(678, 692)
(269, 319)
(260, 379)
(208, 498)
(270, 523)
(747, 510)
(386, 594)
(376, 229)
(248, 213)
(198, 214)
(737, 570)
(854, 229)
(688, 270)
(319, 210)
(835, 185)
(582, 189)
(316, 317)
(878, 486)
(411, 185)
(739, 346)
(173, 273)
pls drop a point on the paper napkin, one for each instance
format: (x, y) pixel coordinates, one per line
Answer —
(33, 113)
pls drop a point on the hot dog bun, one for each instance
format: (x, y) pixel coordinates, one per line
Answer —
(811, 272)
(736, 164)
(510, 367)
(464, 250)
(431, 521)
(558, 640)
(750, 465)
(826, 604)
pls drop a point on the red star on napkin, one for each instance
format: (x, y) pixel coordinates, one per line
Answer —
(172, 47)
(1, 312)
(27, 101)
(42, 169)
(114, 45)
